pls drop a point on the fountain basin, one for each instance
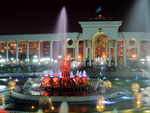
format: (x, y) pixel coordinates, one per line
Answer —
(112, 97)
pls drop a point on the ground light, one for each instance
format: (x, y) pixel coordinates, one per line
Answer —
(107, 84)
(138, 98)
(148, 90)
(147, 111)
(46, 105)
(32, 107)
(11, 85)
(2, 99)
(135, 87)
(100, 106)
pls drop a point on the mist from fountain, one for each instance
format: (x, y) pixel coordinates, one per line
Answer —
(64, 108)
(40, 111)
(139, 16)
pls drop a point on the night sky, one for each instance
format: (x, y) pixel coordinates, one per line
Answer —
(40, 17)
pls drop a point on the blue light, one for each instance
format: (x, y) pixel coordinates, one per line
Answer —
(127, 98)
(108, 102)
(127, 80)
(98, 10)
(117, 79)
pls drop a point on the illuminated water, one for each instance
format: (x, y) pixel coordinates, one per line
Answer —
(61, 29)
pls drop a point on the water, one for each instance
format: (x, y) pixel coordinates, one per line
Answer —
(63, 108)
(61, 29)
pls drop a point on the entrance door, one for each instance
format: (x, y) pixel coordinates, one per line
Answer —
(100, 48)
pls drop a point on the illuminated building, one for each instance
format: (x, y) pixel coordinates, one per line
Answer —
(100, 43)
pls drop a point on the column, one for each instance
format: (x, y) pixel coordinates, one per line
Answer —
(90, 54)
(17, 52)
(76, 50)
(27, 51)
(7, 58)
(109, 64)
(38, 51)
(51, 49)
(139, 52)
(84, 53)
(116, 53)
(124, 54)
(147, 47)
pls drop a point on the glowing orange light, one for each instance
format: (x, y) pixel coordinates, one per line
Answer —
(134, 56)
(104, 56)
(68, 56)
(46, 110)
(32, 107)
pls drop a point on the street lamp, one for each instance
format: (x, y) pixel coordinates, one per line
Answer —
(55, 61)
(35, 56)
(59, 56)
(142, 61)
(2, 60)
(35, 60)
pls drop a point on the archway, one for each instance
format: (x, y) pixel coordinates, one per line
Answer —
(100, 48)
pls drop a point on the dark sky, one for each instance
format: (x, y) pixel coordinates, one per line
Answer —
(23, 17)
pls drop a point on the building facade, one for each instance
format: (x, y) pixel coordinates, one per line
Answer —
(100, 43)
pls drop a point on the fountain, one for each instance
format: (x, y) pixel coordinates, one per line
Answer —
(40, 111)
(61, 29)
(67, 86)
(65, 81)
(63, 108)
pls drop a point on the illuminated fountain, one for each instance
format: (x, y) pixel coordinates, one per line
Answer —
(64, 108)
(70, 87)
(64, 81)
